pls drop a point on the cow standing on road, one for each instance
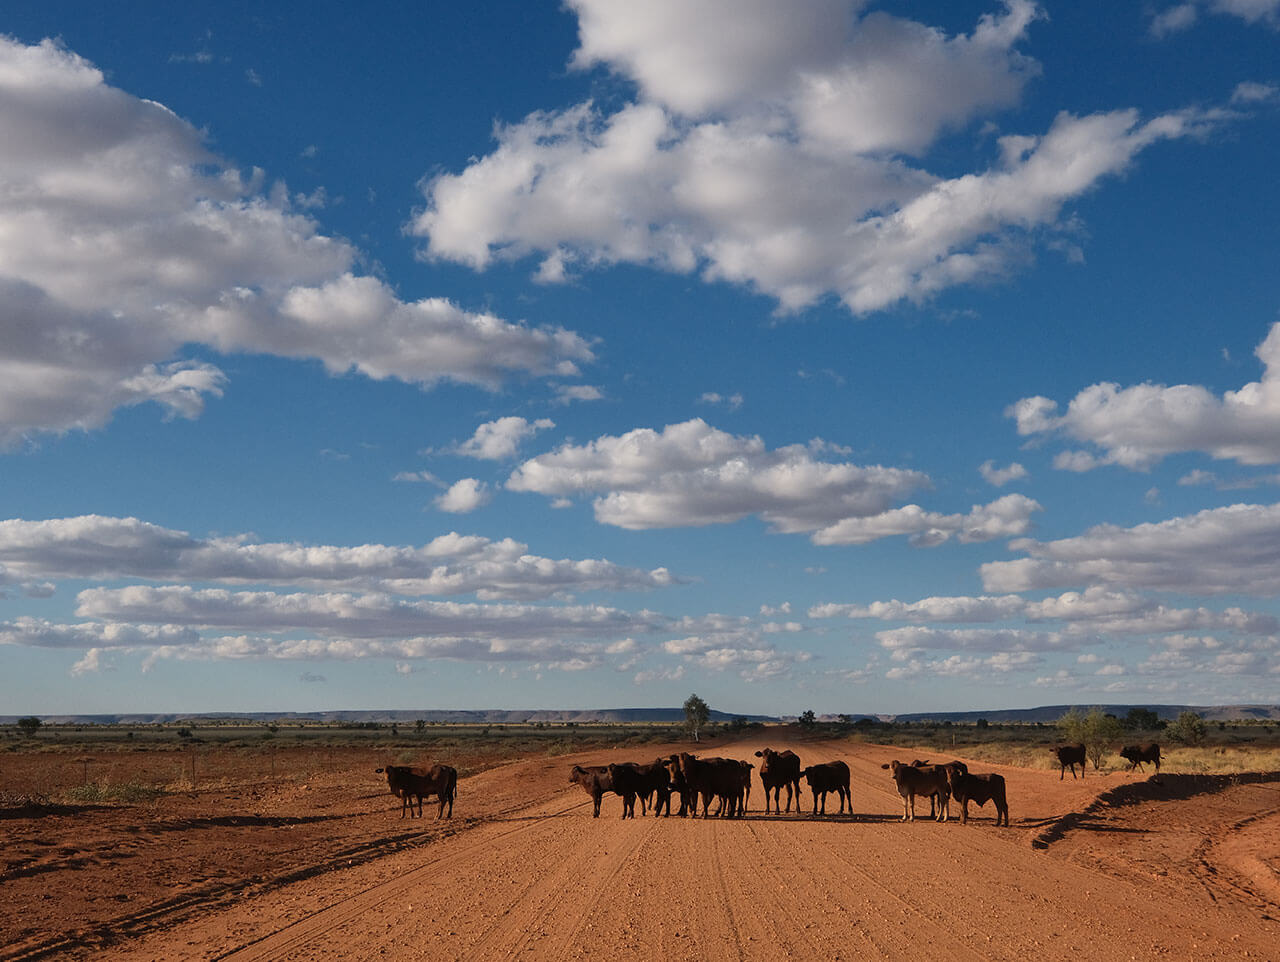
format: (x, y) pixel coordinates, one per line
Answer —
(1069, 755)
(828, 777)
(779, 770)
(967, 787)
(925, 780)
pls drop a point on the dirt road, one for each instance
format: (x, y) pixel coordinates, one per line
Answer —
(525, 872)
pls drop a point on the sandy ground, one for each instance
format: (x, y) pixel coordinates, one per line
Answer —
(328, 870)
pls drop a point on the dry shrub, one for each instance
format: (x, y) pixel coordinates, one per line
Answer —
(127, 793)
(1219, 760)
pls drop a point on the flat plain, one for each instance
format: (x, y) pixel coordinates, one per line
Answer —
(304, 856)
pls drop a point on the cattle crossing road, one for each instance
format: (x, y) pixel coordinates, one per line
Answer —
(535, 877)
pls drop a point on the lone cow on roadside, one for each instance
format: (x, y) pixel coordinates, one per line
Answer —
(1135, 755)
(1069, 755)
(408, 783)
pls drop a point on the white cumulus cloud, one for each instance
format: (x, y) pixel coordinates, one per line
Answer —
(464, 496)
(123, 239)
(1137, 426)
(776, 155)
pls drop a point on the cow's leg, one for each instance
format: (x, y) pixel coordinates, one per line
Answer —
(595, 803)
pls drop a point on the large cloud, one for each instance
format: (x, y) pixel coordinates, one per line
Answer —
(122, 239)
(1231, 550)
(351, 615)
(105, 548)
(773, 155)
(692, 474)
(1097, 610)
(1138, 426)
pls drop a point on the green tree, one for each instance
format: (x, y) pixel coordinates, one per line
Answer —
(1095, 729)
(1141, 720)
(808, 719)
(696, 714)
(1188, 729)
(29, 725)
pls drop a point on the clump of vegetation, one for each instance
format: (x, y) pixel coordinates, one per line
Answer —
(807, 719)
(1189, 729)
(125, 793)
(1095, 729)
(29, 725)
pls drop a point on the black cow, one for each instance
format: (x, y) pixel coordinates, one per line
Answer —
(966, 787)
(829, 777)
(725, 779)
(408, 783)
(1135, 755)
(633, 781)
(779, 770)
(1071, 755)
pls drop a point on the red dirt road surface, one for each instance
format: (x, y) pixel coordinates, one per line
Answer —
(1186, 869)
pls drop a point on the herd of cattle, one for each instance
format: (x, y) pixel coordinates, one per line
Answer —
(727, 782)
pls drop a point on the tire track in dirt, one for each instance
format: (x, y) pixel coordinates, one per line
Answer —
(551, 909)
(279, 944)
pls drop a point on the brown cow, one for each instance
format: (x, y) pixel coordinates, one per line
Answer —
(925, 780)
(829, 777)
(779, 770)
(966, 787)
(408, 783)
(1135, 755)
(933, 799)
(595, 781)
(1072, 755)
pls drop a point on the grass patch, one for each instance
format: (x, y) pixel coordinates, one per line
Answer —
(124, 793)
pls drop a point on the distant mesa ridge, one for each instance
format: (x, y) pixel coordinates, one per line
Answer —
(501, 716)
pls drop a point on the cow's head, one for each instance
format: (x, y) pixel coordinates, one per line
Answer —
(894, 766)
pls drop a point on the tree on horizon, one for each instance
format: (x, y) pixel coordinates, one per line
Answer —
(696, 714)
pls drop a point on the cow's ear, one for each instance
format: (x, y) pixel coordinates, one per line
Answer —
(884, 766)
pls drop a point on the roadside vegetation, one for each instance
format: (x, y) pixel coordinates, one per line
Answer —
(136, 764)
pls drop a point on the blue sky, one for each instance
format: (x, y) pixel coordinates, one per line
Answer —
(848, 356)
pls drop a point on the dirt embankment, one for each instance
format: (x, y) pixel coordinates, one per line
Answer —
(327, 869)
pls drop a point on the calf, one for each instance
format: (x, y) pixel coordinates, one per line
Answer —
(1072, 755)
(409, 783)
(779, 770)
(1135, 755)
(966, 787)
(828, 777)
(922, 780)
